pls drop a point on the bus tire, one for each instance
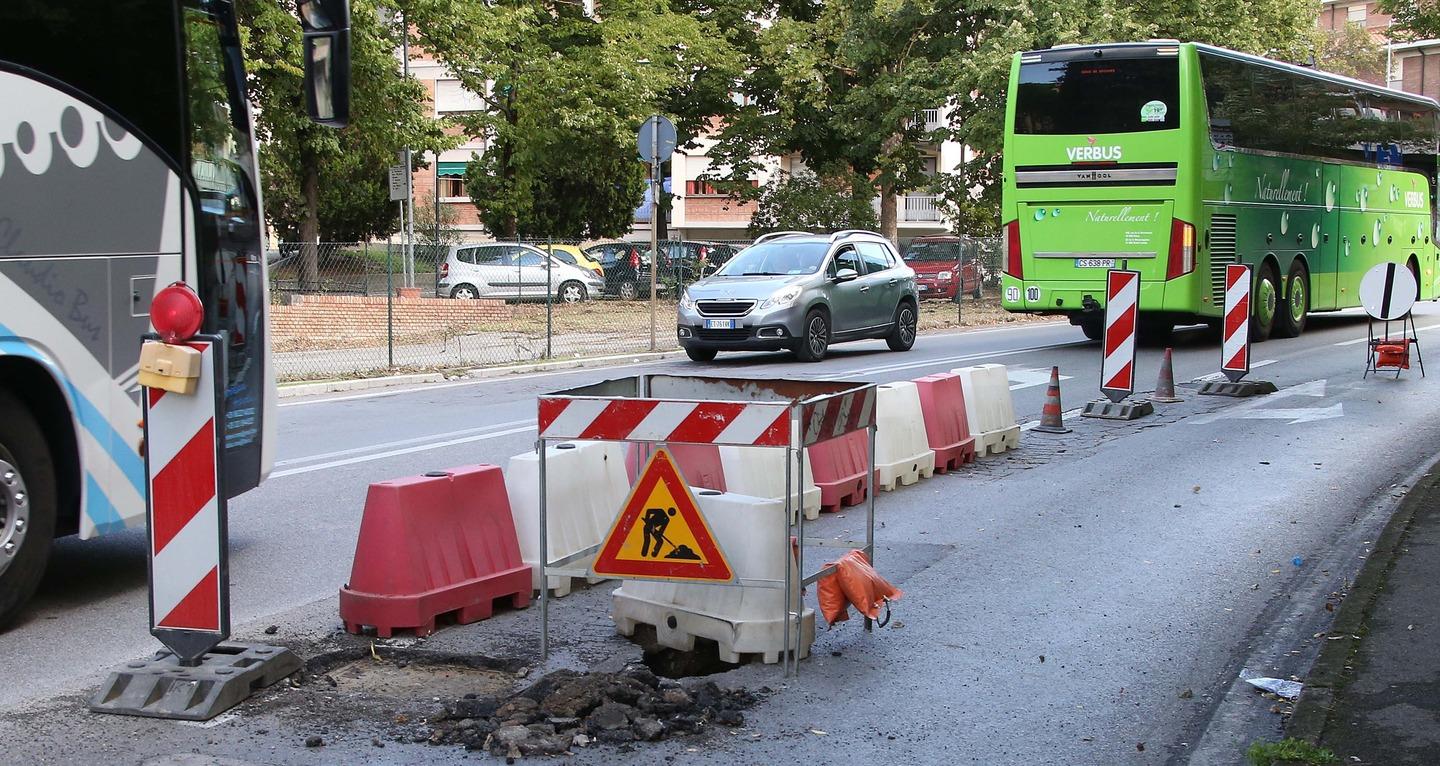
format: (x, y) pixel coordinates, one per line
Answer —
(1093, 327)
(1290, 316)
(27, 506)
(1266, 302)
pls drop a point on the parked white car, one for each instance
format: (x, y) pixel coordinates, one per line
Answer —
(513, 271)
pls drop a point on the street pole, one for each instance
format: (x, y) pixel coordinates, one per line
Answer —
(654, 223)
(409, 187)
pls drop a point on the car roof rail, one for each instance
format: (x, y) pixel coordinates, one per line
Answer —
(780, 234)
(852, 232)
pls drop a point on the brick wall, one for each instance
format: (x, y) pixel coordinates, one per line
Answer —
(311, 321)
(703, 209)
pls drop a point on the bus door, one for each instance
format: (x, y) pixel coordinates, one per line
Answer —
(1323, 270)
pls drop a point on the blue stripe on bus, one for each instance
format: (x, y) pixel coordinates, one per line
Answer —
(99, 508)
(129, 462)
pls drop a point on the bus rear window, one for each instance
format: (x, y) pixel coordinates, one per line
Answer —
(1098, 96)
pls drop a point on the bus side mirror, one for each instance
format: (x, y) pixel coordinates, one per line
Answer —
(326, 24)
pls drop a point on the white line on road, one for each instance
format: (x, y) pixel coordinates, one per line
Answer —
(1356, 341)
(400, 443)
(398, 452)
(1221, 375)
(951, 360)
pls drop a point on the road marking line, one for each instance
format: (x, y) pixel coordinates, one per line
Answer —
(400, 443)
(1221, 375)
(1063, 417)
(398, 452)
(942, 361)
(1356, 341)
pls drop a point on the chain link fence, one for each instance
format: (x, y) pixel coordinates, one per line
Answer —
(344, 309)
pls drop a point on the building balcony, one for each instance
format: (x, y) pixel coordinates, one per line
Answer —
(913, 208)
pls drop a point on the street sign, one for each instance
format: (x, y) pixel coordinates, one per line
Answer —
(399, 182)
(649, 148)
(1122, 301)
(1235, 345)
(1387, 291)
(660, 533)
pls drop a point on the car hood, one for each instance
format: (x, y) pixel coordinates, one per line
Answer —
(758, 288)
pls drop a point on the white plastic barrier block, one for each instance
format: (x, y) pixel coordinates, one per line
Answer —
(989, 408)
(587, 485)
(740, 619)
(760, 472)
(902, 449)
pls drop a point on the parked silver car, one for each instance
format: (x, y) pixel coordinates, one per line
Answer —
(501, 270)
(801, 292)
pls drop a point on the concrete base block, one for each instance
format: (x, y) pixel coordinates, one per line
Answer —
(678, 627)
(1240, 389)
(904, 472)
(1126, 410)
(162, 688)
(997, 441)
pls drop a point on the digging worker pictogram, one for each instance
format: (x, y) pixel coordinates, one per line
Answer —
(656, 520)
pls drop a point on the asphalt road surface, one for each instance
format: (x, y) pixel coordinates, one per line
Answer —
(1060, 601)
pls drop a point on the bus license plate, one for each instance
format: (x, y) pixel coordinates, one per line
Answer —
(722, 324)
(1094, 263)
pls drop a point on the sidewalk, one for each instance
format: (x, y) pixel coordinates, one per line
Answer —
(1373, 696)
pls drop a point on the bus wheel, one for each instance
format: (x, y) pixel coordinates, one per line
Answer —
(1267, 303)
(27, 506)
(1093, 327)
(1290, 319)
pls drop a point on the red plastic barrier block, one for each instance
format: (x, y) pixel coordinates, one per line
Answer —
(839, 466)
(431, 545)
(699, 464)
(942, 400)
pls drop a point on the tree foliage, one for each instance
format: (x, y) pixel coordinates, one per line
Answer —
(807, 202)
(1412, 19)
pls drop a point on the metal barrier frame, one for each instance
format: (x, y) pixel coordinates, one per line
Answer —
(806, 404)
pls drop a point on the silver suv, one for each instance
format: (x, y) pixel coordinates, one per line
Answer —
(802, 292)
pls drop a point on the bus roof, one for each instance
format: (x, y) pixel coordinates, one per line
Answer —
(1073, 51)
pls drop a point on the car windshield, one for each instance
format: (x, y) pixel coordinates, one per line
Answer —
(776, 259)
(933, 251)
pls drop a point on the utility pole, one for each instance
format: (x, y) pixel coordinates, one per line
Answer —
(654, 225)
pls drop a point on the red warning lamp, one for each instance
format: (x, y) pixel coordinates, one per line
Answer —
(176, 313)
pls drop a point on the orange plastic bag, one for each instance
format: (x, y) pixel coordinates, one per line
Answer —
(854, 582)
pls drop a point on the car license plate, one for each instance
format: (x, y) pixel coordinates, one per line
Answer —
(722, 324)
(1094, 263)
(922, 287)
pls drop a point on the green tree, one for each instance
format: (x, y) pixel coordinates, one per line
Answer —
(320, 182)
(1351, 51)
(1413, 19)
(807, 202)
(562, 95)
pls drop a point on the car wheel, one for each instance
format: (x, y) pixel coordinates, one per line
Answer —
(464, 293)
(629, 290)
(902, 335)
(700, 354)
(572, 292)
(1290, 319)
(27, 506)
(815, 340)
(1266, 300)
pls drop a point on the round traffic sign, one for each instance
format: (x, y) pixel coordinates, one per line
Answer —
(657, 138)
(1387, 291)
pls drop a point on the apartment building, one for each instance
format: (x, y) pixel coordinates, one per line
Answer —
(1414, 66)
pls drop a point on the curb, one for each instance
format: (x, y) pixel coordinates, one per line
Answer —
(477, 373)
(1328, 674)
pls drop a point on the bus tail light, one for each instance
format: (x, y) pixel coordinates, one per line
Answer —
(1182, 249)
(1013, 265)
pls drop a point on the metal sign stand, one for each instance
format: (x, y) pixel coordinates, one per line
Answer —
(1117, 349)
(1235, 340)
(199, 676)
(1388, 292)
(810, 410)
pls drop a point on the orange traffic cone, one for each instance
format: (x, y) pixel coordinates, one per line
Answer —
(1165, 386)
(1050, 420)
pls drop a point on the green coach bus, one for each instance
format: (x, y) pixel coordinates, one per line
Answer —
(1175, 159)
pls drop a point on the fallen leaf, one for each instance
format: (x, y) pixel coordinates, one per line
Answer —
(1140, 746)
(1042, 657)
(1187, 694)
(1195, 489)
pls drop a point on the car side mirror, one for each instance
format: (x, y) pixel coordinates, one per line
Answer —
(326, 26)
(846, 275)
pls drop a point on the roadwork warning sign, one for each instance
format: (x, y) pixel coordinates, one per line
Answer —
(660, 533)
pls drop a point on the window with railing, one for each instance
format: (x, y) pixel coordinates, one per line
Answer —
(708, 189)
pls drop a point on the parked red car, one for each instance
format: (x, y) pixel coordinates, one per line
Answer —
(938, 271)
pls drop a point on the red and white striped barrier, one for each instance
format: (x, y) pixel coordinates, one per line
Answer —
(1235, 348)
(1122, 301)
(189, 588)
(835, 417)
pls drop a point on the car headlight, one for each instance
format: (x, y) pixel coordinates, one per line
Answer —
(687, 302)
(783, 297)
(943, 276)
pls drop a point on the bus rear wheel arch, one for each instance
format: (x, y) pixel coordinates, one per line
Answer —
(1292, 310)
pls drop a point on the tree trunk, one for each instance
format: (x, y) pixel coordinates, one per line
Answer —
(310, 229)
(889, 226)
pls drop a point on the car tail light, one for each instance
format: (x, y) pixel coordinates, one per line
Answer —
(1182, 249)
(1013, 265)
(445, 270)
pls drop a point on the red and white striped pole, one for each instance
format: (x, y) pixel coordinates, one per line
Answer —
(1122, 302)
(1235, 347)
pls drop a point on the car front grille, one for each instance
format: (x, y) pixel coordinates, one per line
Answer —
(731, 308)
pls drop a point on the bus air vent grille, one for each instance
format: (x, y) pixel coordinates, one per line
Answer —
(1222, 253)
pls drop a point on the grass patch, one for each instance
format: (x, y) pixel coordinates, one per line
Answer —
(1288, 751)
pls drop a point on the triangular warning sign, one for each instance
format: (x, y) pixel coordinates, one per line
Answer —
(660, 533)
